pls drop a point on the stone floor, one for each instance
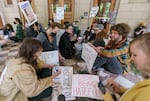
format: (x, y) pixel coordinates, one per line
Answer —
(8, 51)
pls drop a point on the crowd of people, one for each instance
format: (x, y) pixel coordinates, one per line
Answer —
(27, 78)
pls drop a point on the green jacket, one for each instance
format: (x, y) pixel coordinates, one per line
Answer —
(19, 32)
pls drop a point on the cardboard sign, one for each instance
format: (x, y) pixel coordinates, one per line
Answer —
(89, 55)
(27, 11)
(50, 57)
(65, 79)
(86, 85)
(94, 11)
(59, 13)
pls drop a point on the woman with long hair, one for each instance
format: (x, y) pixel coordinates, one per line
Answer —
(19, 79)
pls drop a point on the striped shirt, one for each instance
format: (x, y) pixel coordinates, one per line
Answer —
(121, 53)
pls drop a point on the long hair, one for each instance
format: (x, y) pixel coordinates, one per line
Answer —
(18, 20)
(27, 51)
(8, 25)
(101, 35)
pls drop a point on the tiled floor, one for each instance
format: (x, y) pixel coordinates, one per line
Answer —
(7, 52)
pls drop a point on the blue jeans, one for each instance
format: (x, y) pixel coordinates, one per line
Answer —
(110, 64)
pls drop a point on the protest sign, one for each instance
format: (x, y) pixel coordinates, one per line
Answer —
(55, 18)
(59, 13)
(65, 79)
(94, 11)
(86, 85)
(50, 57)
(27, 11)
(89, 55)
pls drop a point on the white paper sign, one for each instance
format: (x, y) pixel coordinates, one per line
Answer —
(65, 78)
(28, 12)
(94, 11)
(89, 55)
(55, 18)
(85, 85)
(124, 82)
(50, 57)
(60, 13)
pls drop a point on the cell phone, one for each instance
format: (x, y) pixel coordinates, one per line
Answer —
(102, 87)
(61, 97)
(103, 90)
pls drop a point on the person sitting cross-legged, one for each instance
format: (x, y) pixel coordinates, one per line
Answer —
(114, 56)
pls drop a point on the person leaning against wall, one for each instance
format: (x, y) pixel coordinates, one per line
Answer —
(139, 51)
(19, 79)
(114, 56)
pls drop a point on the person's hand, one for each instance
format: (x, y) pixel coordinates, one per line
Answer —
(115, 87)
(99, 49)
(56, 74)
(62, 59)
(90, 44)
(52, 66)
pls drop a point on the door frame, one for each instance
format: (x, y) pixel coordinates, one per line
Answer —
(112, 7)
(2, 21)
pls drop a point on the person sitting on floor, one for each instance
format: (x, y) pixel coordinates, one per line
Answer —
(113, 57)
(66, 45)
(19, 79)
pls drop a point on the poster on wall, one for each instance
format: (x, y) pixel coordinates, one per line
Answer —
(86, 85)
(27, 11)
(59, 13)
(88, 58)
(55, 18)
(94, 11)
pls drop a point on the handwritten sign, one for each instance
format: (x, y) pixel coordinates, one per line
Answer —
(65, 79)
(50, 57)
(85, 85)
(89, 55)
(94, 11)
(59, 13)
(28, 12)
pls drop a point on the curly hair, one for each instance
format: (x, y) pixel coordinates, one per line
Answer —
(122, 29)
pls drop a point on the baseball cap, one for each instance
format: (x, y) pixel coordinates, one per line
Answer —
(99, 26)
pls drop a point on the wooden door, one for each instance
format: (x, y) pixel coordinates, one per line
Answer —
(68, 9)
(106, 7)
